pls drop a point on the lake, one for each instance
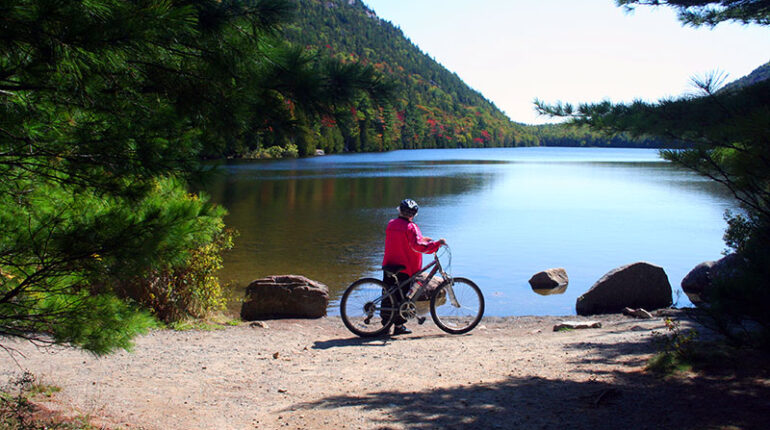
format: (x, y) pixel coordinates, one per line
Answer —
(507, 214)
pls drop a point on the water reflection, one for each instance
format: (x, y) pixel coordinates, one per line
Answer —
(551, 291)
(326, 228)
(506, 213)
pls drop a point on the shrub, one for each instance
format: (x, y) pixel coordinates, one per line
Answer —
(289, 151)
(177, 279)
(677, 348)
(190, 289)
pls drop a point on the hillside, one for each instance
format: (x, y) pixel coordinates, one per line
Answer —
(432, 107)
(759, 74)
(573, 136)
(564, 135)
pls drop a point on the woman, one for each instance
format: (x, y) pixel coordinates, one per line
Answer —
(404, 246)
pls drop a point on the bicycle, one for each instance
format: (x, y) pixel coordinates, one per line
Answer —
(456, 304)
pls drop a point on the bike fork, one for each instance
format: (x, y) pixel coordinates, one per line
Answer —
(452, 297)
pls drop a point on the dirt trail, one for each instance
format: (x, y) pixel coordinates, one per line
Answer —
(313, 374)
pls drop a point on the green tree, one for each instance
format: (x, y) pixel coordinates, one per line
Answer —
(728, 135)
(106, 107)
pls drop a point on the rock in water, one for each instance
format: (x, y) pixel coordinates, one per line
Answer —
(285, 296)
(637, 285)
(551, 278)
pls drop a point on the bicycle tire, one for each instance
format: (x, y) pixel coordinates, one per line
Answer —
(453, 319)
(359, 312)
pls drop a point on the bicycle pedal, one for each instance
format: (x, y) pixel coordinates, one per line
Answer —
(420, 320)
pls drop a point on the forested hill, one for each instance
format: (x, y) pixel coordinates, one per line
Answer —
(432, 107)
(759, 74)
(564, 135)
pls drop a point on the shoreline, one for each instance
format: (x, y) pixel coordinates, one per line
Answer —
(314, 374)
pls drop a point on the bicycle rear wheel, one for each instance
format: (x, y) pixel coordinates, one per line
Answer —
(458, 307)
(361, 308)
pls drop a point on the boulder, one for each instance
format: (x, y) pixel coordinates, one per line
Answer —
(285, 296)
(637, 285)
(697, 283)
(551, 278)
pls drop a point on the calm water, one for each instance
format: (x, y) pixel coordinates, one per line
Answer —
(506, 213)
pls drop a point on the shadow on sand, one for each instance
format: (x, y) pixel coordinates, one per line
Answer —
(633, 399)
(370, 341)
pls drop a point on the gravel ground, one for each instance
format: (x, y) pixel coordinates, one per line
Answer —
(511, 372)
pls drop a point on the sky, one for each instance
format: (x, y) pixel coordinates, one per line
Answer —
(514, 51)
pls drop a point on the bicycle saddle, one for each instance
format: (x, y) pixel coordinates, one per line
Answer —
(392, 269)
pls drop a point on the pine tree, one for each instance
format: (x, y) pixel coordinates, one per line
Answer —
(710, 12)
(106, 108)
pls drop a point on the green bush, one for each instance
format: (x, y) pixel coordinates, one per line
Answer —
(186, 290)
(180, 282)
(289, 151)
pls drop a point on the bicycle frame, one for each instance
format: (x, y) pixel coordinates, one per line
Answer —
(435, 267)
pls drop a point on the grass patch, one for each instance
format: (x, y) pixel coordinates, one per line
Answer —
(195, 325)
(667, 363)
(43, 390)
(213, 323)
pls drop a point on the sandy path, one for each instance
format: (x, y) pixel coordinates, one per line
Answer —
(508, 373)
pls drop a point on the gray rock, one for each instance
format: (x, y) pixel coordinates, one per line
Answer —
(698, 282)
(285, 296)
(637, 313)
(637, 285)
(551, 278)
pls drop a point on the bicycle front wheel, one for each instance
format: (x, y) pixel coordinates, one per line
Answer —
(457, 307)
(362, 309)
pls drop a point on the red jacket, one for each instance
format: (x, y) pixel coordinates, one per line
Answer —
(404, 245)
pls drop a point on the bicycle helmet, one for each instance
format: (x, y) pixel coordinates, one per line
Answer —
(408, 208)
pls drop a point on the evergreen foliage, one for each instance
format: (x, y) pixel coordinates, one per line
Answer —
(106, 106)
(728, 132)
(711, 12)
(568, 135)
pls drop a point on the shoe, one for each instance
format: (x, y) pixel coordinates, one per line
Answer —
(400, 329)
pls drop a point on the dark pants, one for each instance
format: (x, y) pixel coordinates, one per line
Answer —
(389, 282)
